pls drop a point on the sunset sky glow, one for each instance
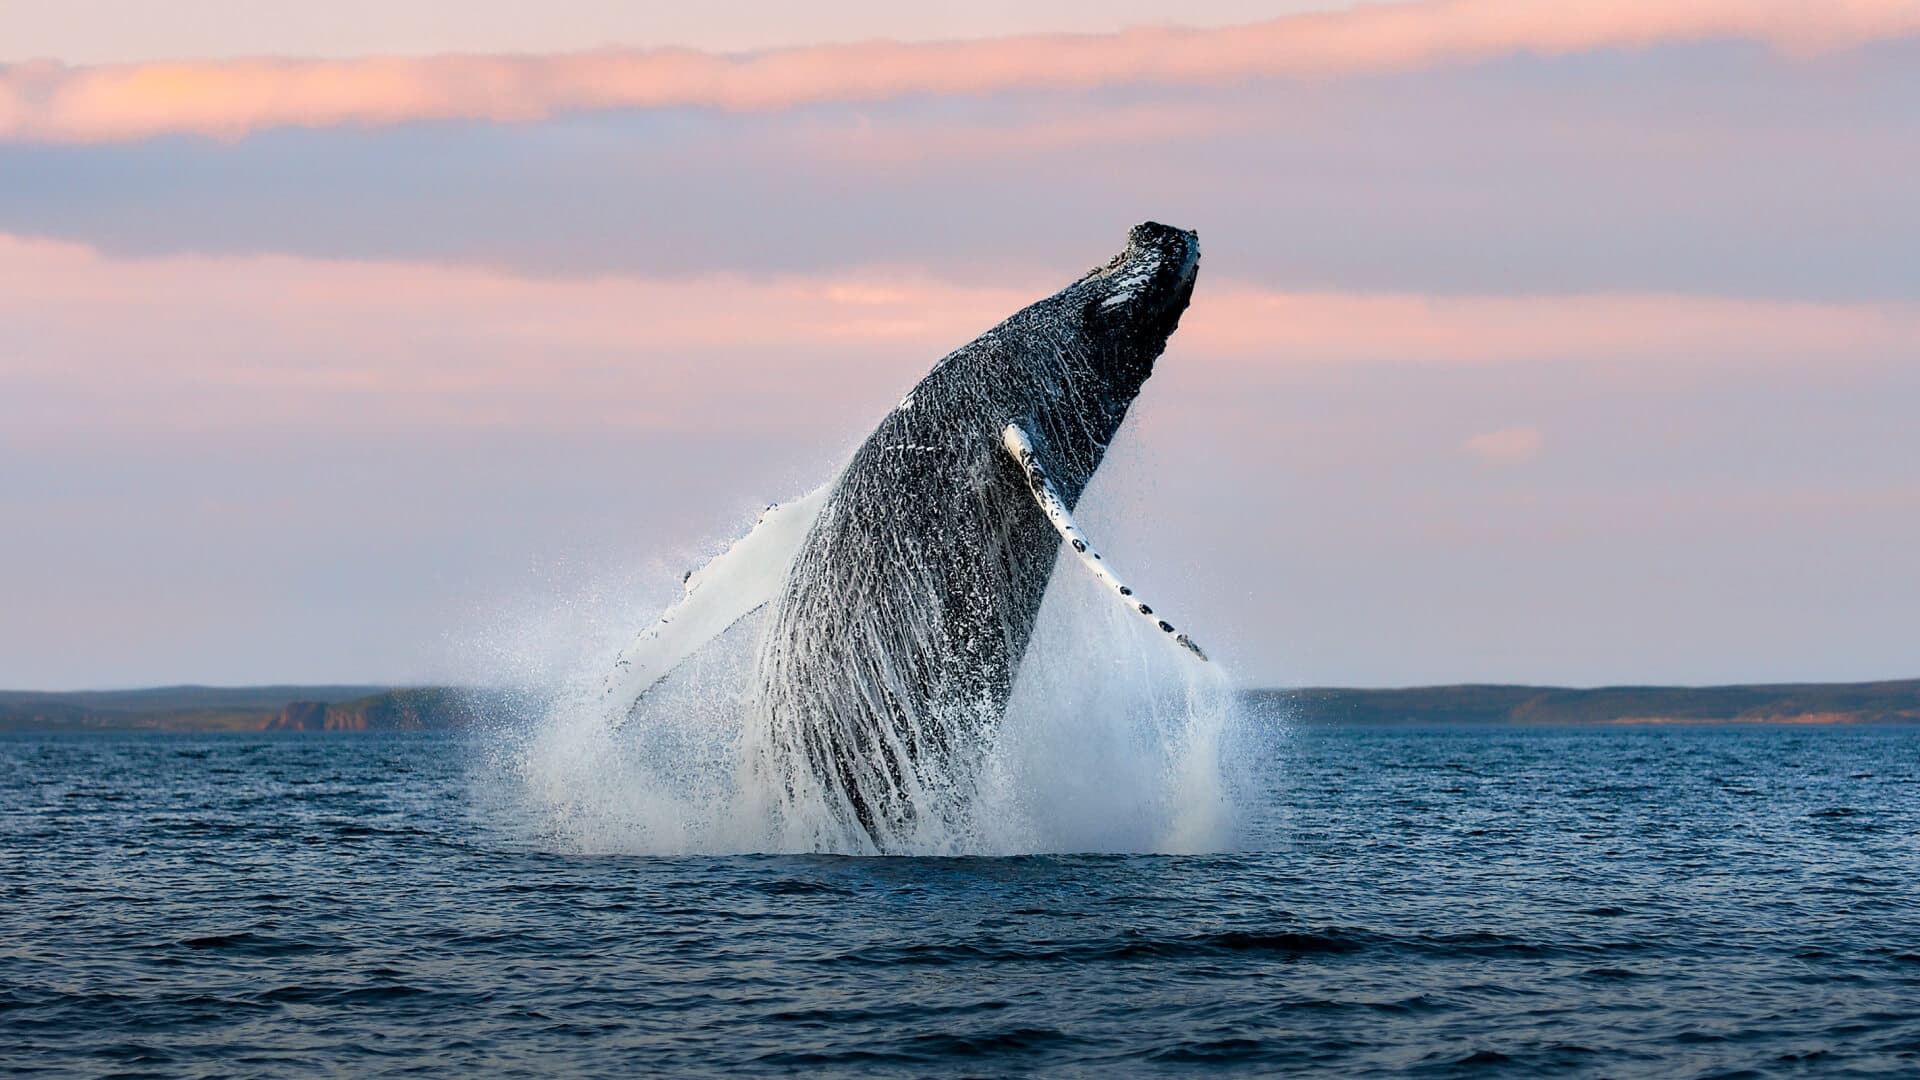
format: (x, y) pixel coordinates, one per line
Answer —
(1561, 343)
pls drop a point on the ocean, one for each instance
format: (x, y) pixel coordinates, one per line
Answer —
(1648, 901)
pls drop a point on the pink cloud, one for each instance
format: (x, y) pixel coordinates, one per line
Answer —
(50, 101)
(1326, 327)
(1508, 446)
(217, 343)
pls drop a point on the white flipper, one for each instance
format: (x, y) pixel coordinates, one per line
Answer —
(1044, 493)
(725, 589)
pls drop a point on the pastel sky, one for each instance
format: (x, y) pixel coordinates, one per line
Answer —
(1565, 342)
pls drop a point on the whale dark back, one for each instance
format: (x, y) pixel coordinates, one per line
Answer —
(891, 653)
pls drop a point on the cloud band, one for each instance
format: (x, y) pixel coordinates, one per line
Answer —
(50, 101)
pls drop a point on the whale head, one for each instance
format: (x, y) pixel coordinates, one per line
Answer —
(1130, 306)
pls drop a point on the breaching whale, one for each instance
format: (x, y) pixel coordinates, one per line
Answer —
(901, 595)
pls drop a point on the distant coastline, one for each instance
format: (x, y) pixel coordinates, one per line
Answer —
(1804, 704)
(439, 708)
(248, 708)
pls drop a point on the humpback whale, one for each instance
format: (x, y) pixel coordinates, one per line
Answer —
(900, 596)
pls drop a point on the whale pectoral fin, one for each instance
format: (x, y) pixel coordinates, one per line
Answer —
(724, 590)
(1015, 439)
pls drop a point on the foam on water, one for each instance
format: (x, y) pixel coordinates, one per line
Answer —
(1112, 741)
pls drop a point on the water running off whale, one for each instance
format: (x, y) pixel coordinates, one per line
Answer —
(881, 625)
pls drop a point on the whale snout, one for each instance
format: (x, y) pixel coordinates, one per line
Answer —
(1153, 276)
(1148, 284)
(1175, 249)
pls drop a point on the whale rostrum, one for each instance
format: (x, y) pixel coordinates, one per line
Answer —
(900, 596)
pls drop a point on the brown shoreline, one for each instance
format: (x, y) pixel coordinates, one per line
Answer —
(373, 709)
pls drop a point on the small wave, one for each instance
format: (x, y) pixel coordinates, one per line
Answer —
(333, 995)
(799, 887)
(251, 944)
(1611, 973)
(930, 1048)
(1232, 1050)
(1127, 947)
(882, 1013)
(1236, 941)
(1011, 1040)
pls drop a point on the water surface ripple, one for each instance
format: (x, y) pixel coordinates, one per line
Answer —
(1659, 902)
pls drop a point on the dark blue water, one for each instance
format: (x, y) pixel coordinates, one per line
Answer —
(1658, 902)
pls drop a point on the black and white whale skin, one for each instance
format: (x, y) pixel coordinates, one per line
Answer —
(904, 592)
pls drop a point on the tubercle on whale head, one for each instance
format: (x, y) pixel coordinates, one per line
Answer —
(1137, 298)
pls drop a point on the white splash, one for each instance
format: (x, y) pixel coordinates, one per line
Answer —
(1112, 742)
(721, 592)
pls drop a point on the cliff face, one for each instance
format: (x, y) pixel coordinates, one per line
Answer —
(299, 716)
(177, 708)
(396, 710)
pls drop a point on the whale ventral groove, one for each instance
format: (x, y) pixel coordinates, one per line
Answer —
(892, 643)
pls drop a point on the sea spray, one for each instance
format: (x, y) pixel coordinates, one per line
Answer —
(1112, 736)
(658, 777)
(1112, 741)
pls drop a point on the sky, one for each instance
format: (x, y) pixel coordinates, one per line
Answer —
(1571, 343)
